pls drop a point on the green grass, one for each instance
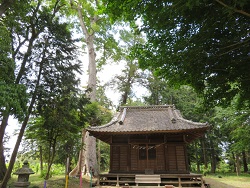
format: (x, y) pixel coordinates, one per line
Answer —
(231, 179)
(218, 180)
(57, 181)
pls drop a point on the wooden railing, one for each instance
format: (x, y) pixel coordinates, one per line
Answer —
(182, 180)
(116, 179)
(165, 180)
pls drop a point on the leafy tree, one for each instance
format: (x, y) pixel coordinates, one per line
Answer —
(102, 98)
(234, 125)
(58, 127)
(40, 43)
(98, 36)
(201, 43)
(206, 149)
(131, 74)
(184, 97)
(13, 96)
(94, 114)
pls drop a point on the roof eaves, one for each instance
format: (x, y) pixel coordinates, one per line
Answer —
(179, 117)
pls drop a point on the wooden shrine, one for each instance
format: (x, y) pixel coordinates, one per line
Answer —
(149, 140)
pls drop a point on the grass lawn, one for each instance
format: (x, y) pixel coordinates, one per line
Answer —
(228, 180)
(57, 181)
(215, 181)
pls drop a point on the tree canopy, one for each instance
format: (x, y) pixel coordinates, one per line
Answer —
(201, 43)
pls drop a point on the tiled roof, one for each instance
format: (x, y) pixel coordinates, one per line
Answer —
(146, 119)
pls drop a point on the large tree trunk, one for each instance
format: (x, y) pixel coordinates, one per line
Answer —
(88, 160)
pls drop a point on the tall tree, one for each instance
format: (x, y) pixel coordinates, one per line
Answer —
(131, 75)
(234, 126)
(96, 29)
(39, 41)
(202, 43)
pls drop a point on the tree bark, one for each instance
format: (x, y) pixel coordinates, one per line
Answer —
(99, 156)
(197, 158)
(41, 159)
(237, 161)
(88, 157)
(3, 126)
(244, 160)
(234, 163)
(80, 163)
(3, 167)
(51, 157)
(213, 157)
(204, 153)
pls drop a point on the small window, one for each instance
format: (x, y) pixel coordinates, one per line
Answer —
(151, 152)
(147, 152)
(142, 152)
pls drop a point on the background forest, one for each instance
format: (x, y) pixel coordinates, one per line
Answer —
(193, 54)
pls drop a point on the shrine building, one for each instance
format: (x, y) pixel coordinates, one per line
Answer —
(149, 140)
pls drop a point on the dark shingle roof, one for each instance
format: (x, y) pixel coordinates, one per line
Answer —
(146, 119)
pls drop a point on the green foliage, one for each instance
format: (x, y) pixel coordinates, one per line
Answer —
(223, 167)
(45, 66)
(201, 43)
(97, 24)
(96, 115)
(13, 99)
(105, 156)
(13, 96)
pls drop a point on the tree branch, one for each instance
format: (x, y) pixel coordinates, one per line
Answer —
(234, 9)
(5, 5)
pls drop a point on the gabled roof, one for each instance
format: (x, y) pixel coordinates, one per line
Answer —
(148, 120)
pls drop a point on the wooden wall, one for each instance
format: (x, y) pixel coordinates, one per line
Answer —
(170, 157)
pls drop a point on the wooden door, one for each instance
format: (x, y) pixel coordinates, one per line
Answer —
(176, 158)
(143, 156)
(119, 158)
